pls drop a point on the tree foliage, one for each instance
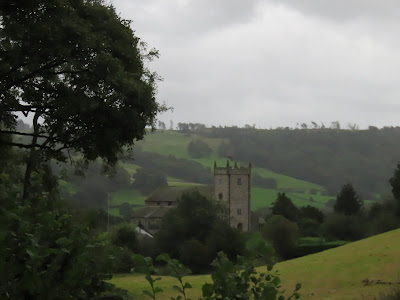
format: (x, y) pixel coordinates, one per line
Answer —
(78, 70)
(347, 201)
(147, 180)
(44, 255)
(285, 207)
(199, 149)
(395, 183)
(282, 233)
(197, 225)
(243, 281)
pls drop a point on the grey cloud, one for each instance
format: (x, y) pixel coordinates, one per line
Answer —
(345, 10)
(227, 63)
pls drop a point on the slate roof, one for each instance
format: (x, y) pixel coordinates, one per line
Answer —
(173, 193)
(151, 212)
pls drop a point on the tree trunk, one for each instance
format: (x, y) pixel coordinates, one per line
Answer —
(32, 159)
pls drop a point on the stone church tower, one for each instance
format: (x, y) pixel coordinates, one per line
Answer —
(232, 185)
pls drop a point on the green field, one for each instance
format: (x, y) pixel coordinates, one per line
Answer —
(130, 196)
(334, 274)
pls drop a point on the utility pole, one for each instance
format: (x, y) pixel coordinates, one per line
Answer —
(108, 211)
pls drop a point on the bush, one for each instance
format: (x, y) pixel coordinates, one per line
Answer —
(123, 260)
(282, 233)
(124, 235)
(44, 253)
(342, 227)
(194, 254)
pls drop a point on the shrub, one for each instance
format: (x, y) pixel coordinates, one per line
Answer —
(282, 233)
(44, 253)
(194, 254)
(124, 235)
(342, 227)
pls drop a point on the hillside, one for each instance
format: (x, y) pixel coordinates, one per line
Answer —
(335, 274)
(162, 149)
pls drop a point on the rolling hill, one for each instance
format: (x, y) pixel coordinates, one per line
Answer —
(173, 143)
(359, 270)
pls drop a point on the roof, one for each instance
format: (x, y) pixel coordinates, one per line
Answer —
(151, 212)
(173, 193)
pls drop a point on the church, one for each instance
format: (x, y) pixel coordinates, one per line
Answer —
(232, 184)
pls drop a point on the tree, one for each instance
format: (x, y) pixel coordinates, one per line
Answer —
(147, 180)
(78, 70)
(199, 149)
(198, 223)
(395, 183)
(347, 201)
(285, 207)
(282, 233)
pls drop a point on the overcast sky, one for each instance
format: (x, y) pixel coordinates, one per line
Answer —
(275, 62)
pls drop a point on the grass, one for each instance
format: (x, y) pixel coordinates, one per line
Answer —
(334, 274)
(265, 197)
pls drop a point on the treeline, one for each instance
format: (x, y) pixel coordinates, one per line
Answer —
(329, 157)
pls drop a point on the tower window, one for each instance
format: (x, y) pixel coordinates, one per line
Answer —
(220, 196)
(239, 181)
(239, 211)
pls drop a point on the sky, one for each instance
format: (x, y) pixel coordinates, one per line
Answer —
(273, 63)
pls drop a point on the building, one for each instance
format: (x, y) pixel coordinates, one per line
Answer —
(160, 202)
(233, 185)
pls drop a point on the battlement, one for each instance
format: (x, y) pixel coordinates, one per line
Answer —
(231, 170)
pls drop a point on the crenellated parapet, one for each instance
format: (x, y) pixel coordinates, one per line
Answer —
(231, 170)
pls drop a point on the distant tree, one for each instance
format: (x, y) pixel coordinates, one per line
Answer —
(147, 180)
(285, 207)
(161, 125)
(199, 149)
(311, 212)
(184, 127)
(347, 201)
(395, 183)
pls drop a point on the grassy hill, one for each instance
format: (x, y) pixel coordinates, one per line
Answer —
(174, 143)
(333, 274)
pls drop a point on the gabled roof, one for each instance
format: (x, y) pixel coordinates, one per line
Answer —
(173, 193)
(151, 212)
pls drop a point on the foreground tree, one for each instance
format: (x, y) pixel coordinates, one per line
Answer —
(347, 201)
(76, 68)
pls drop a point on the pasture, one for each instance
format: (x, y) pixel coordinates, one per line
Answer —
(334, 274)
